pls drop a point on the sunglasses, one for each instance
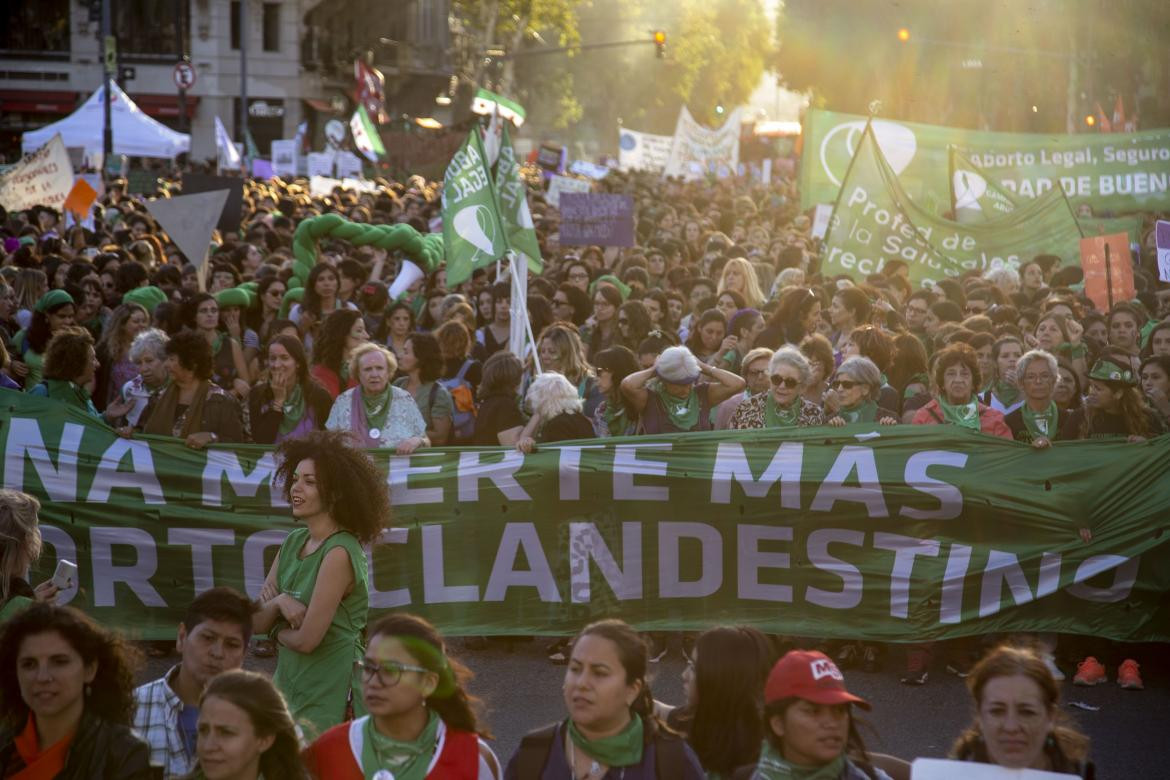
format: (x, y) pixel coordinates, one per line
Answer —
(786, 381)
(845, 384)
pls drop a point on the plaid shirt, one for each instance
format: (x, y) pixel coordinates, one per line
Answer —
(156, 721)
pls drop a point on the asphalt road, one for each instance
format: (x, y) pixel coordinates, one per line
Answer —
(521, 691)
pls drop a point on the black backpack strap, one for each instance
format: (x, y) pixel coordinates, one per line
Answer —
(670, 756)
(535, 747)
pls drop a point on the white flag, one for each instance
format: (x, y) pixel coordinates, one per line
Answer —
(492, 138)
(229, 155)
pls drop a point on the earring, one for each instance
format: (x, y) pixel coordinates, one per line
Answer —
(88, 690)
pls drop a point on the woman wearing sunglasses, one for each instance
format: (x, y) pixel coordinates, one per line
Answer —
(855, 389)
(422, 722)
(783, 406)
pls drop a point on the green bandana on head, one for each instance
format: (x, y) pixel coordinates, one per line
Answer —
(406, 760)
(622, 749)
(772, 766)
(1108, 371)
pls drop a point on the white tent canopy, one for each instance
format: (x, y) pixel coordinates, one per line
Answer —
(135, 134)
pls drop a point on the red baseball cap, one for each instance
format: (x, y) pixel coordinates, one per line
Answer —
(809, 675)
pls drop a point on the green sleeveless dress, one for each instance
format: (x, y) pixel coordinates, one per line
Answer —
(13, 605)
(316, 685)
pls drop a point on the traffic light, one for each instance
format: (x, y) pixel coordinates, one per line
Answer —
(660, 43)
(903, 34)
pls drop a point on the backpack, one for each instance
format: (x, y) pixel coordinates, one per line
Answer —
(463, 420)
(670, 754)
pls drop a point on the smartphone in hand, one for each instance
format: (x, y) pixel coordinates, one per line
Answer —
(66, 574)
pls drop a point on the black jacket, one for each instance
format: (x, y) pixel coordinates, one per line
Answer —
(101, 750)
(265, 417)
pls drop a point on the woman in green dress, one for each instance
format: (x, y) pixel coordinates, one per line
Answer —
(316, 596)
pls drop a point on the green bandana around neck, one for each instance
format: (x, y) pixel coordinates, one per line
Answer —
(962, 415)
(1041, 424)
(1007, 392)
(616, 419)
(217, 342)
(622, 749)
(683, 413)
(406, 760)
(776, 416)
(772, 766)
(866, 411)
(293, 408)
(377, 408)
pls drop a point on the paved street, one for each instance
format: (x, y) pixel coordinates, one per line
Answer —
(522, 691)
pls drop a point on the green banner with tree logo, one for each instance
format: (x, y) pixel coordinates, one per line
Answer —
(889, 534)
(1111, 172)
(875, 221)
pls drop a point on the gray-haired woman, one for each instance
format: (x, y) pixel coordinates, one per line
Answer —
(148, 352)
(671, 396)
(1037, 421)
(856, 388)
(783, 406)
(556, 412)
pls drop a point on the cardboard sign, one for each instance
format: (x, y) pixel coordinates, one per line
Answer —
(320, 164)
(602, 220)
(230, 217)
(80, 198)
(1107, 281)
(1162, 241)
(43, 178)
(189, 220)
(348, 165)
(561, 184)
(284, 158)
(940, 769)
(141, 182)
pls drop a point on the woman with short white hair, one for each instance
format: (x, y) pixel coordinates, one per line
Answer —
(377, 413)
(856, 387)
(1037, 420)
(1006, 279)
(671, 395)
(556, 413)
(783, 406)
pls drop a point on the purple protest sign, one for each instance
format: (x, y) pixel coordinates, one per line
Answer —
(595, 219)
(1162, 240)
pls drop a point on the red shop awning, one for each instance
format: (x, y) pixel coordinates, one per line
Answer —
(35, 101)
(165, 106)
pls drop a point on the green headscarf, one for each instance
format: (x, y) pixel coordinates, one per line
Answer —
(622, 749)
(377, 408)
(1006, 392)
(294, 409)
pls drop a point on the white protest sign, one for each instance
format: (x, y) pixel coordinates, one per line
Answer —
(1162, 241)
(361, 185)
(940, 769)
(320, 164)
(559, 184)
(766, 176)
(284, 158)
(189, 220)
(709, 149)
(322, 185)
(821, 217)
(348, 165)
(643, 151)
(586, 168)
(43, 178)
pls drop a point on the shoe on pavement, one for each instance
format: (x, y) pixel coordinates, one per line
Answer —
(1128, 676)
(916, 677)
(960, 669)
(869, 659)
(1053, 669)
(847, 656)
(1090, 672)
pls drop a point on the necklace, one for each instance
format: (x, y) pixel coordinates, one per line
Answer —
(595, 768)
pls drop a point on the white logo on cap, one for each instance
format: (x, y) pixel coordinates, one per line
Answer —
(825, 668)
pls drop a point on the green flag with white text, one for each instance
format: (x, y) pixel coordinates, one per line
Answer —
(973, 197)
(875, 221)
(514, 205)
(473, 234)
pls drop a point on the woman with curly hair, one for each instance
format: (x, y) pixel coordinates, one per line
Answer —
(422, 720)
(245, 731)
(67, 699)
(956, 378)
(192, 407)
(556, 413)
(316, 596)
(343, 332)
(1114, 405)
(69, 367)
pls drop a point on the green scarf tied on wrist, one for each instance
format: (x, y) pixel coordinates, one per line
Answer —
(866, 411)
(406, 760)
(377, 408)
(962, 415)
(294, 409)
(1007, 392)
(622, 749)
(772, 766)
(683, 413)
(1041, 424)
(776, 416)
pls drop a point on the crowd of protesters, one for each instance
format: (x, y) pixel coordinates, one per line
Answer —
(718, 319)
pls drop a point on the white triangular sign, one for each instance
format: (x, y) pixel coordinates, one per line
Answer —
(189, 220)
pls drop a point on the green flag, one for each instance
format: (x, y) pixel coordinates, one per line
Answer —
(365, 134)
(514, 205)
(473, 235)
(875, 221)
(973, 197)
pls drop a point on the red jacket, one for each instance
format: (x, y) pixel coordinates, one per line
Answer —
(991, 421)
(329, 380)
(336, 753)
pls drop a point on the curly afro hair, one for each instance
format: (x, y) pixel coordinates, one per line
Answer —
(351, 486)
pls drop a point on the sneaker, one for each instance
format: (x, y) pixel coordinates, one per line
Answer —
(916, 677)
(1128, 676)
(869, 659)
(658, 652)
(961, 669)
(917, 662)
(847, 656)
(1053, 669)
(1090, 672)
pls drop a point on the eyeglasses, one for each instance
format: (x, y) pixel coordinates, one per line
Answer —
(623, 321)
(753, 373)
(579, 275)
(1038, 378)
(845, 384)
(787, 381)
(388, 674)
(974, 310)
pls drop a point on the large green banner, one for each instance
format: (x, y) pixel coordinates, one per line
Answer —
(875, 221)
(1117, 172)
(895, 533)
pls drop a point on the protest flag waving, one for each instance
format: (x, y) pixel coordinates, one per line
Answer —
(365, 135)
(514, 211)
(473, 233)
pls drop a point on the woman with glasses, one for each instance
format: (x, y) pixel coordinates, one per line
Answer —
(577, 274)
(856, 391)
(316, 596)
(422, 722)
(1038, 419)
(614, 415)
(671, 396)
(571, 304)
(633, 324)
(956, 376)
(783, 406)
(271, 291)
(600, 331)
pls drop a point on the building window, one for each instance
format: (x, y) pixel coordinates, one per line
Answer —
(234, 35)
(34, 27)
(147, 29)
(272, 27)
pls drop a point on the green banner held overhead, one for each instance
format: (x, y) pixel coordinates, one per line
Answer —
(1111, 172)
(875, 221)
(883, 533)
(473, 235)
(514, 211)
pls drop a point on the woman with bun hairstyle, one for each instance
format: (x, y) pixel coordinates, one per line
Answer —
(422, 723)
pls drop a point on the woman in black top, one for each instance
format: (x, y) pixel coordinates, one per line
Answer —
(499, 421)
(1038, 419)
(556, 413)
(1115, 406)
(290, 403)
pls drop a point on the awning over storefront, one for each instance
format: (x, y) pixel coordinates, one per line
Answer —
(165, 106)
(35, 101)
